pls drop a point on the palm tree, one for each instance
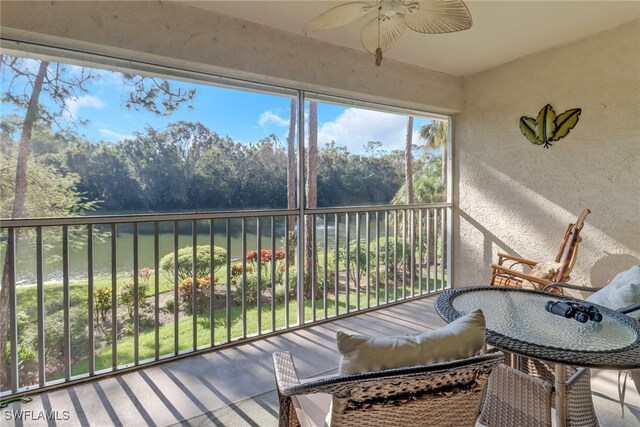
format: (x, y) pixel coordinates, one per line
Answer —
(435, 134)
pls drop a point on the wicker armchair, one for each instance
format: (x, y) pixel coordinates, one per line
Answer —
(525, 396)
(445, 394)
(506, 272)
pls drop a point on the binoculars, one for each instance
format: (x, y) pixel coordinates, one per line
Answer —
(574, 310)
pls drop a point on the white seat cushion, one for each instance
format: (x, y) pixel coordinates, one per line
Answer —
(462, 338)
(621, 292)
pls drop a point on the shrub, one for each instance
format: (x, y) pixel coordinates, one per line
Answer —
(265, 255)
(236, 269)
(390, 245)
(185, 291)
(102, 303)
(293, 277)
(54, 335)
(27, 348)
(251, 285)
(250, 289)
(126, 296)
(185, 261)
(280, 293)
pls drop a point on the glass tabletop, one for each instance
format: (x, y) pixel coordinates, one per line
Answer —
(522, 316)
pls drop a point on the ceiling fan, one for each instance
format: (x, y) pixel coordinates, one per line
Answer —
(393, 17)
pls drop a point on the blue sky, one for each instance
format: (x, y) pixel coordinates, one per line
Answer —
(244, 116)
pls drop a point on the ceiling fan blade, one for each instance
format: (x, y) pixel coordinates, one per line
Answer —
(439, 16)
(338, 16)
(390, 30)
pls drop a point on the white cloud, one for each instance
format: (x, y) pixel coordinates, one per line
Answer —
(74, 104)
(114, 136)
(354, 127)
(270, 117)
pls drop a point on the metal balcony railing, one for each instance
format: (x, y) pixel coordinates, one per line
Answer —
(89, 296)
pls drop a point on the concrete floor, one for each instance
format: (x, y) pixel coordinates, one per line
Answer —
(235, 386)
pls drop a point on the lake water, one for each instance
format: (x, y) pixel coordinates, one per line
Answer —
(26, 253)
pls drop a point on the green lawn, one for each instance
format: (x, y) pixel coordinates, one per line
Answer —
(78, 291)
(125, 347)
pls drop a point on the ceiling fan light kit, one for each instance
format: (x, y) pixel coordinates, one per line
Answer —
(393, 18)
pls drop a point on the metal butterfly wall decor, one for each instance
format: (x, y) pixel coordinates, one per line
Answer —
(549, 127)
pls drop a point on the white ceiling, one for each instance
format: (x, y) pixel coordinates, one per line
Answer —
(502, 30)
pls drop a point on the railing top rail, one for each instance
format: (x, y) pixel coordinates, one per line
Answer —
(139, 218)
(378, 208)
(190, 216)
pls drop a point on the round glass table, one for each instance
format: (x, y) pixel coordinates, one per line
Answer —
(518, 322)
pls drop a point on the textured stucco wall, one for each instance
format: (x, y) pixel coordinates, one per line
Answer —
(174, 34)
(516, 197)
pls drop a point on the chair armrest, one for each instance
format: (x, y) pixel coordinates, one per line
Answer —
(502, 255)
(501, 269)
(286, 375)
(569, 286)
(630, 309)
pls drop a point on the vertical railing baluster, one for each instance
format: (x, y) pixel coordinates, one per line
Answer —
(357, 272)
(136, 296)
(448, 240)
(90, 301)
(395, 255)
(13, 305)
(377, 258)
(336, 245)
(273, 274)
(386, 256)
(404, 254)
(243, 289)
(442, 240)
(66, 351)
(114, 297)
(156, 286)
(286, 271)
(313, 268)
(228, 300)
(427, 245)
(300, 198)
(420, 251)
(412, 249)
(259, 284)
(42, 370)
(347, 262)
(367, 261)
(212, 281)
(176, 304)
(326, 252)
(435, 249)
(194, 283)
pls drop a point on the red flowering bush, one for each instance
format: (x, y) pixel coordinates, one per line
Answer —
(265, 255)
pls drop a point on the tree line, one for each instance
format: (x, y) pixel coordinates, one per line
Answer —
(187, 167)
